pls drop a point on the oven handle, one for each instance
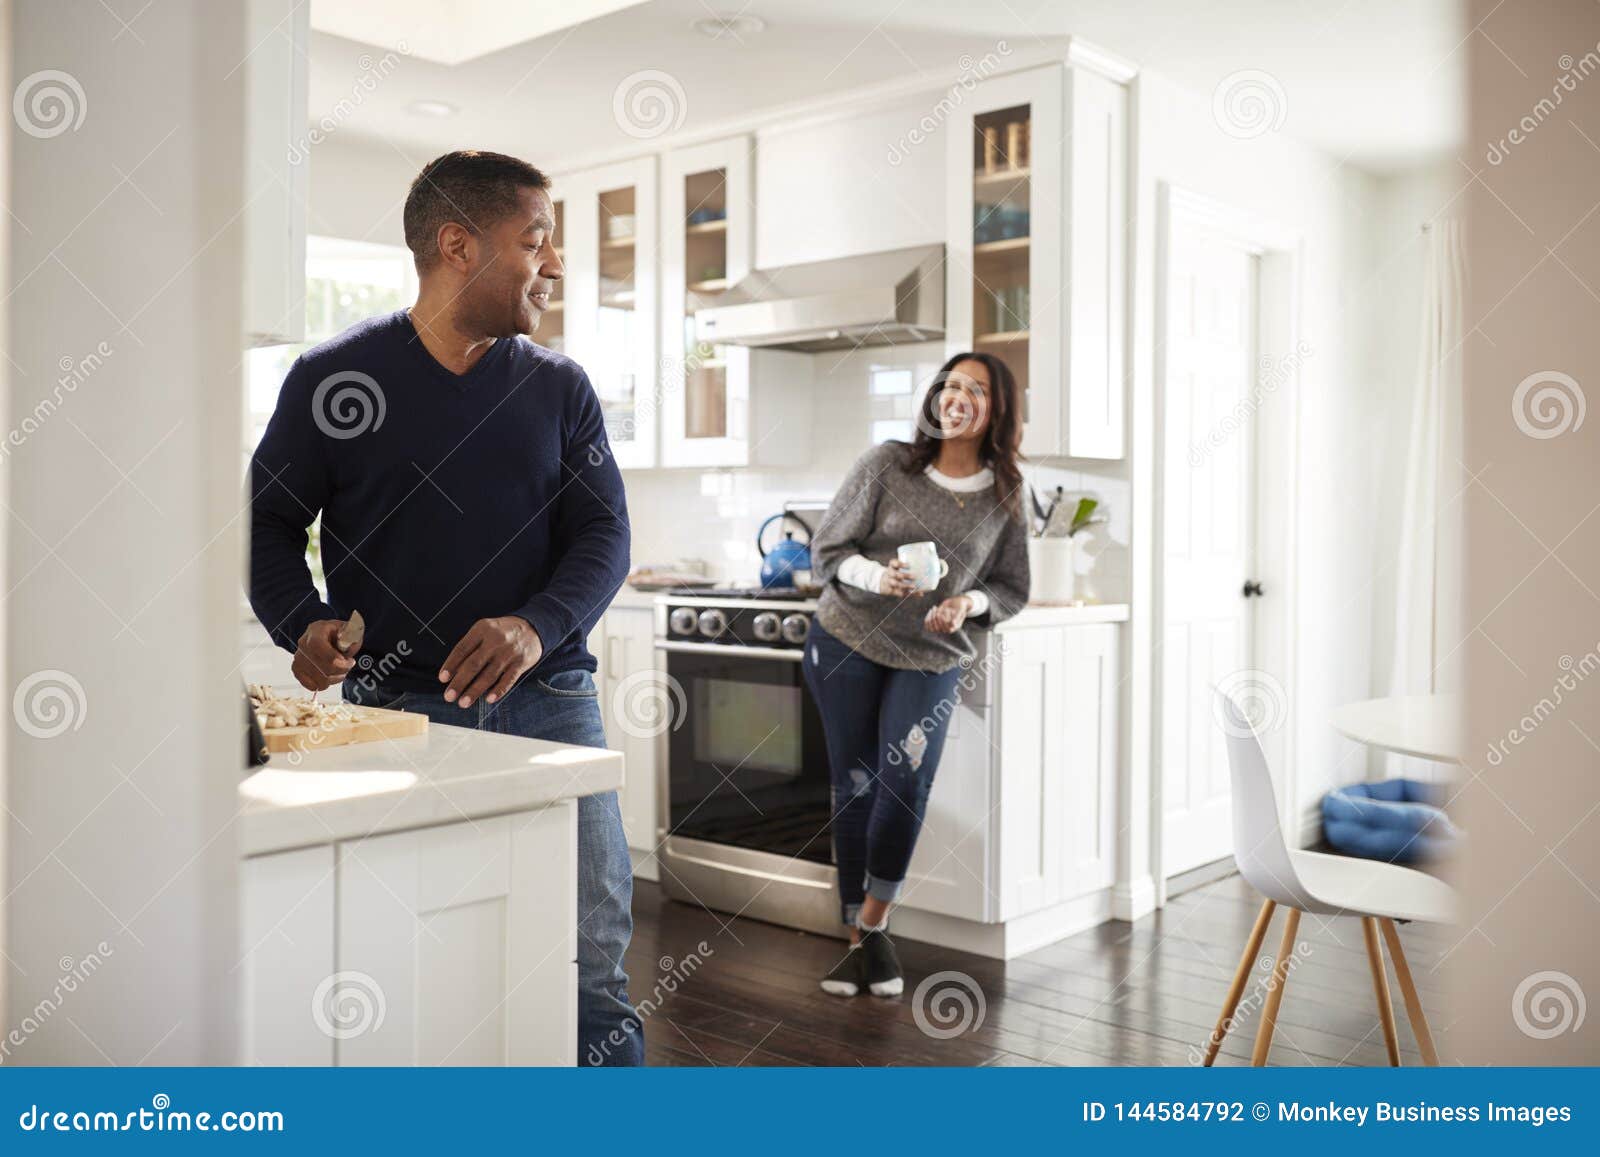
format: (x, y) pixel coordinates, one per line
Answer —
(732, 652)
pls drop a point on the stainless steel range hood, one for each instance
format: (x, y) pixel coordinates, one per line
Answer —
(878, 299)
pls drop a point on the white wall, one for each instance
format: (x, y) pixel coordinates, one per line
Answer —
(124, 550)
(1342, 408)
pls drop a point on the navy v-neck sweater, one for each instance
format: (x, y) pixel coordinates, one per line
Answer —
(444, 499)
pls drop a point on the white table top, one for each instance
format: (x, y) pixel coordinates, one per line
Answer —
(1428, 726)
(449, 775)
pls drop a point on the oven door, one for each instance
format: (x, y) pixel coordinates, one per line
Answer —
(747, 767)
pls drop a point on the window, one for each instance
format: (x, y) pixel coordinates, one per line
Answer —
(346, 282)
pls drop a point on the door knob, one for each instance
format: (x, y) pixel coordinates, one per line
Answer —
(1252, 589)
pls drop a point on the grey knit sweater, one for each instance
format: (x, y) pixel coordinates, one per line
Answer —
(880, 507)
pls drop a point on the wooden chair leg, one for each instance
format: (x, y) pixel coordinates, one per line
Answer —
(1280, 977)
(1380, 986)
(1408, 989)
(1252, 949)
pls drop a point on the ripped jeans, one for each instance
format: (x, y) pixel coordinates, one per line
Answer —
(885, 729)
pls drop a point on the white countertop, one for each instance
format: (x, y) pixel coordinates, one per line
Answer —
(1041, 615)
(449, 775)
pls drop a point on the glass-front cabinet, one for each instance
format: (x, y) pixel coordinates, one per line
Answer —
(706, 216)
(610, 299)
(552, 333)
(1044, 290)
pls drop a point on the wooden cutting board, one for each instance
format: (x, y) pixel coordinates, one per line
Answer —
(372, 724)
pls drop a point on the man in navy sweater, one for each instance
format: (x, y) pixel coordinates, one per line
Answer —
(471, 511)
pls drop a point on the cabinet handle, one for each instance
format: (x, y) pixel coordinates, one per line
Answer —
(613, 663)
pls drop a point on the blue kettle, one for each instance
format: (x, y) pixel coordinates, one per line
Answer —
(779, 563)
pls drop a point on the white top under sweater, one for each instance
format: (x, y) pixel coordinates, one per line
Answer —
(860, 571)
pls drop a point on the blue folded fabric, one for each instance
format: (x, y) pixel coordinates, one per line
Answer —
(1395, 820)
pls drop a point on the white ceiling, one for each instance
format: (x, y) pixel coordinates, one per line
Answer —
(1371, 82)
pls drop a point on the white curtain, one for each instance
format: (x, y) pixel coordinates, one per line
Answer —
(1427, 590)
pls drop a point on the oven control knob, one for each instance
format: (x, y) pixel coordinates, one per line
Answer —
(713, 623)
(766, 626)
(683, 620)
(795, 627)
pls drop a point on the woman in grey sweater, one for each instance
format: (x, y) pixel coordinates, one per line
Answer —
(889, 643)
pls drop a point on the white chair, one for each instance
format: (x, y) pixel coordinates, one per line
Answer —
(1377, 893)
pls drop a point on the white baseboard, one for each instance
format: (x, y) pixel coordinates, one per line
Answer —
(1015, 937)
(1134, 899)
(1311, 828)
(645, 866)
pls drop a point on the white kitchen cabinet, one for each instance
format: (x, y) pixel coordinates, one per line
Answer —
(457, 945)
(277, 159)
(624, 645)
(610, 248)
(1057, 734)
(1021, 818)
(286, 929)
(1045, 291)
(950, 868)
(707, 216)
(823, 189)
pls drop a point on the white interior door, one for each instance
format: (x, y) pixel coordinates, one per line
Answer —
(1207, 539)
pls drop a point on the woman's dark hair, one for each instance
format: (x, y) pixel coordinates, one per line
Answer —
(1001, 440)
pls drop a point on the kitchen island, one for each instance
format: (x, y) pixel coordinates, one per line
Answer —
(414, 901)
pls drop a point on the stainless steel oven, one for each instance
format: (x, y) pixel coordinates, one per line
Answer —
(745, 796)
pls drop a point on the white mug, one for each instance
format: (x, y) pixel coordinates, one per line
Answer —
(923, 561)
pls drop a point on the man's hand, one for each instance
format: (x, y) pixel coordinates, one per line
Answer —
(947, 617)
(491, 657)
(318, 662)
(896, 581)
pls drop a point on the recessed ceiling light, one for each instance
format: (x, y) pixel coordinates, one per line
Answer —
(431, 108)
(729, 27)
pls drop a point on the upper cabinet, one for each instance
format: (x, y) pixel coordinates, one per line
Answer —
(706, 214)
(1044, 291)
(277, 149)
(607, 319)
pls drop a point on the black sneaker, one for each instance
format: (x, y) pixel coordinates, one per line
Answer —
(881, 967)
(845, 977)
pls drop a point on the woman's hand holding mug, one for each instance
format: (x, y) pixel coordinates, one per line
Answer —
(896, 580)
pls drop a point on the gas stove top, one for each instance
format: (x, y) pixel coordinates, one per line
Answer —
(765, 594)
(770, 618)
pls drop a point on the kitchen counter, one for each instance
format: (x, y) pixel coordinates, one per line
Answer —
(448, 775)
(628, 597)
(419, 896)
(1041, 615)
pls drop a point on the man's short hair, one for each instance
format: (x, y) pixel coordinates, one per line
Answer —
(471, 188)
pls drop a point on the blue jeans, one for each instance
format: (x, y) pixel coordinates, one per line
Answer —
(885, 730)
(563, 707)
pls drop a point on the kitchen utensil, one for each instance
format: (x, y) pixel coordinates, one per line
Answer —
(352, 633)
(1044, 510)
(923, 561)
(788, 556)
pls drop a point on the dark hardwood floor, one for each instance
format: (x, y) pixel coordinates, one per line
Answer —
(1120, 994)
